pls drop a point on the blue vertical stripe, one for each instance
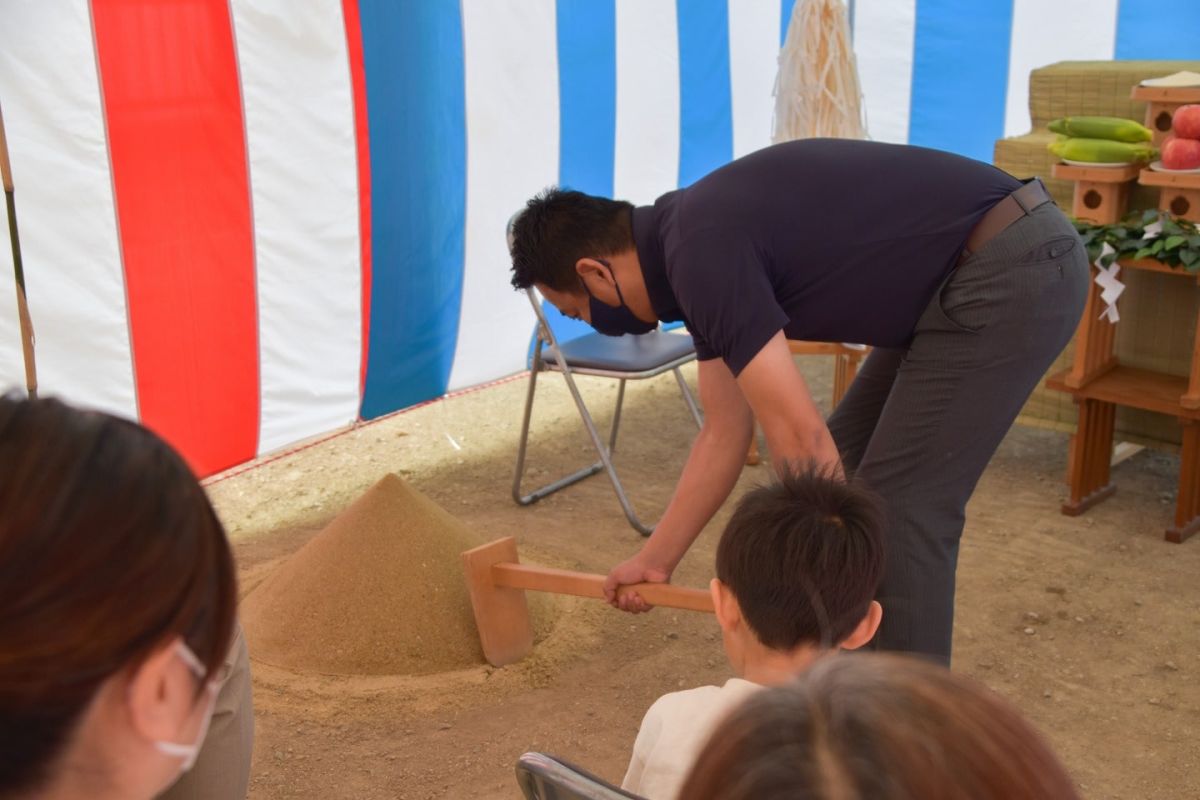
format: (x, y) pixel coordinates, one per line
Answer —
(785, 16)
(705, 96)
(587, 108)
(960, 75)
(416, 115)
(587, 94)
(1158, 29)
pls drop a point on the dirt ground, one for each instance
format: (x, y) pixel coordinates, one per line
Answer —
(1091, 625)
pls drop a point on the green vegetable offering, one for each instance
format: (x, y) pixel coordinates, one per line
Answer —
(1112, 128)
(1102, 151)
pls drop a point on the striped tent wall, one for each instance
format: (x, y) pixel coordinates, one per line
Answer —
(248, 222)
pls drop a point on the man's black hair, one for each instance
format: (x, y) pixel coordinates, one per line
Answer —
(557, 228)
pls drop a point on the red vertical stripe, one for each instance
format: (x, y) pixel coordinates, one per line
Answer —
(358, 80)
(174, 112)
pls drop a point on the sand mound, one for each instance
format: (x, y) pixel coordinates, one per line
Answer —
(379, 591)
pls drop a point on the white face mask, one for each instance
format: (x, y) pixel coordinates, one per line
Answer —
(189, 752)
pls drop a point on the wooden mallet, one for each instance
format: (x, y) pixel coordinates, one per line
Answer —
(497, 582)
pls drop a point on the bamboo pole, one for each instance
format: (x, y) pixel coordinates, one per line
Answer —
(26, 321)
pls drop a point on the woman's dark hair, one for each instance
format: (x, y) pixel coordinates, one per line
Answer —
(557, 228)
(804, 557)
(109, 548)
(883, 727)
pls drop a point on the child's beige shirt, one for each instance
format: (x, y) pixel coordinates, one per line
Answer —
(674, 731)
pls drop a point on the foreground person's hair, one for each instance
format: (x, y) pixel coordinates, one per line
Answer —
(109, 548)
(882, 727)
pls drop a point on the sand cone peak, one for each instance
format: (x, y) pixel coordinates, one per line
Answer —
(378, 591)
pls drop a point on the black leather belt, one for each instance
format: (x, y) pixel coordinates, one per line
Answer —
(1005, 213)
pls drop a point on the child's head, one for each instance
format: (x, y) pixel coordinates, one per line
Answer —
(798, 566)
(877, 726)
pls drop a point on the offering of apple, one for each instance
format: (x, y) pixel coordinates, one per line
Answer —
(1185, 123)
(1178, 153)
(1181, 150)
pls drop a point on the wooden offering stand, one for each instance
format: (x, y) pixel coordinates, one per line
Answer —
(1101, 193)
(1161, 102)
(1179, 192)
(1098, 383)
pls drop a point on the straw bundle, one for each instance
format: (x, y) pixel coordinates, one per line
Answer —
(816, 90)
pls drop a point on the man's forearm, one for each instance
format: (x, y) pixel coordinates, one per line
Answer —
(796, 432)
(712, 469)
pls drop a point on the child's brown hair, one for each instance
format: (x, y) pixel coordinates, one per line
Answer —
(804, 558)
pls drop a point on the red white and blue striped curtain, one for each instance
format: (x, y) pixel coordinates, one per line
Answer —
(248, 222)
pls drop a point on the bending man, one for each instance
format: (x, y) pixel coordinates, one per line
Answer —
(966, 281)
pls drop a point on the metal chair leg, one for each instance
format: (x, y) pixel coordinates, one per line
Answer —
(605, 458)
(602, 448)
(688, 398)
(605, 452)
(522, 447)
(616, 422)
(586, 472)
(523, 443)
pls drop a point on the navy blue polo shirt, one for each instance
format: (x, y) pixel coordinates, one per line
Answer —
(828, 240)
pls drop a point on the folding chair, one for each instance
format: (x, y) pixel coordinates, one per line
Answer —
(543, 777)
(624, 358)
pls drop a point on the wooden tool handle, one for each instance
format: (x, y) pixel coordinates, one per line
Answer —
(582, 584)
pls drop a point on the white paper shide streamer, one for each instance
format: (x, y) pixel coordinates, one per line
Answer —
(1109, 281)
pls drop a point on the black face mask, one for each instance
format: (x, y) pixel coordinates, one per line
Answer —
(615, 321)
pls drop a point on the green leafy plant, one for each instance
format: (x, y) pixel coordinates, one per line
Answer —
(1177, 244)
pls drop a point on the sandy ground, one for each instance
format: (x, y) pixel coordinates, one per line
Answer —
(1091, 625)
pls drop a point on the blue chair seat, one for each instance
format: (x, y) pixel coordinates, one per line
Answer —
(642, 353)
